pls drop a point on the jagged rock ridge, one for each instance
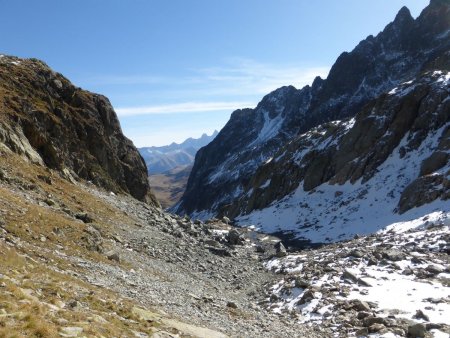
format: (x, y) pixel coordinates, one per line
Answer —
(50, 121)
(404, 49)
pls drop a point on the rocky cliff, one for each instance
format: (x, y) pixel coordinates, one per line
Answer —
(225, 169)
(390, 163)
(48, 120)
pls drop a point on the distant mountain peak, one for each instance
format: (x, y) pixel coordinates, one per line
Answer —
(165, 158)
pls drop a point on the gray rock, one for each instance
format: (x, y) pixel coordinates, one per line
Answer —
(234, 237)
(362, 332)
(408, 271)
(301, 283)
(363, 282)
(280, 250)
(363, 314)
(308, 296)
(260, 249)
(347, 275)
(50, 202)
(393, 255)
(360, 305)
(83, 216)
(219, 251)
(376, 328)
(416, 330)
(93, 239)
(113, 256)
(369, 321)
(356, 253)
(434, 269)
(420, 315)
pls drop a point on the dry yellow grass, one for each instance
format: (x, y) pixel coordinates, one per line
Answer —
(42, 309)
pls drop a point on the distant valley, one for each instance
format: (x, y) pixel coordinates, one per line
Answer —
(169, 186)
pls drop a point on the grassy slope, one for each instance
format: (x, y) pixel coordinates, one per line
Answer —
(41, 292)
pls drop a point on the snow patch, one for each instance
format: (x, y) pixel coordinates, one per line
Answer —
(270, 128)
(265, 184)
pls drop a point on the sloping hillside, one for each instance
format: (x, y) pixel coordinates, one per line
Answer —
(77, 260)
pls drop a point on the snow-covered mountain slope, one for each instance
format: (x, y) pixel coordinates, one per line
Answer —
(165, 158)
(391, 163)
(404, 49)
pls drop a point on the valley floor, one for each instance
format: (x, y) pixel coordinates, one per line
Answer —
(77, 261)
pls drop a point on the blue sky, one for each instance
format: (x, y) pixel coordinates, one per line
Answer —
(177, 68)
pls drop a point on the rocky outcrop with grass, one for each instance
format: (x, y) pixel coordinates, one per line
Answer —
(50, 121)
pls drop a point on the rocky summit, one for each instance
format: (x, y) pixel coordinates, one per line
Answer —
(228, 168)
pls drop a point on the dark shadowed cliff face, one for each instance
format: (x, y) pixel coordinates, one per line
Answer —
(403, 50)
(50, 121)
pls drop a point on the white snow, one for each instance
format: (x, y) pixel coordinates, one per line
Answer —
(265, 184)
(444, 78)
(444, 35)
(270, 128)
(439, 334)
(392, 290)
(349, 124)
(402, 90)
(202, 215)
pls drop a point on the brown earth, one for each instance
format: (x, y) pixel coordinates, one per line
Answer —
(168, 187)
